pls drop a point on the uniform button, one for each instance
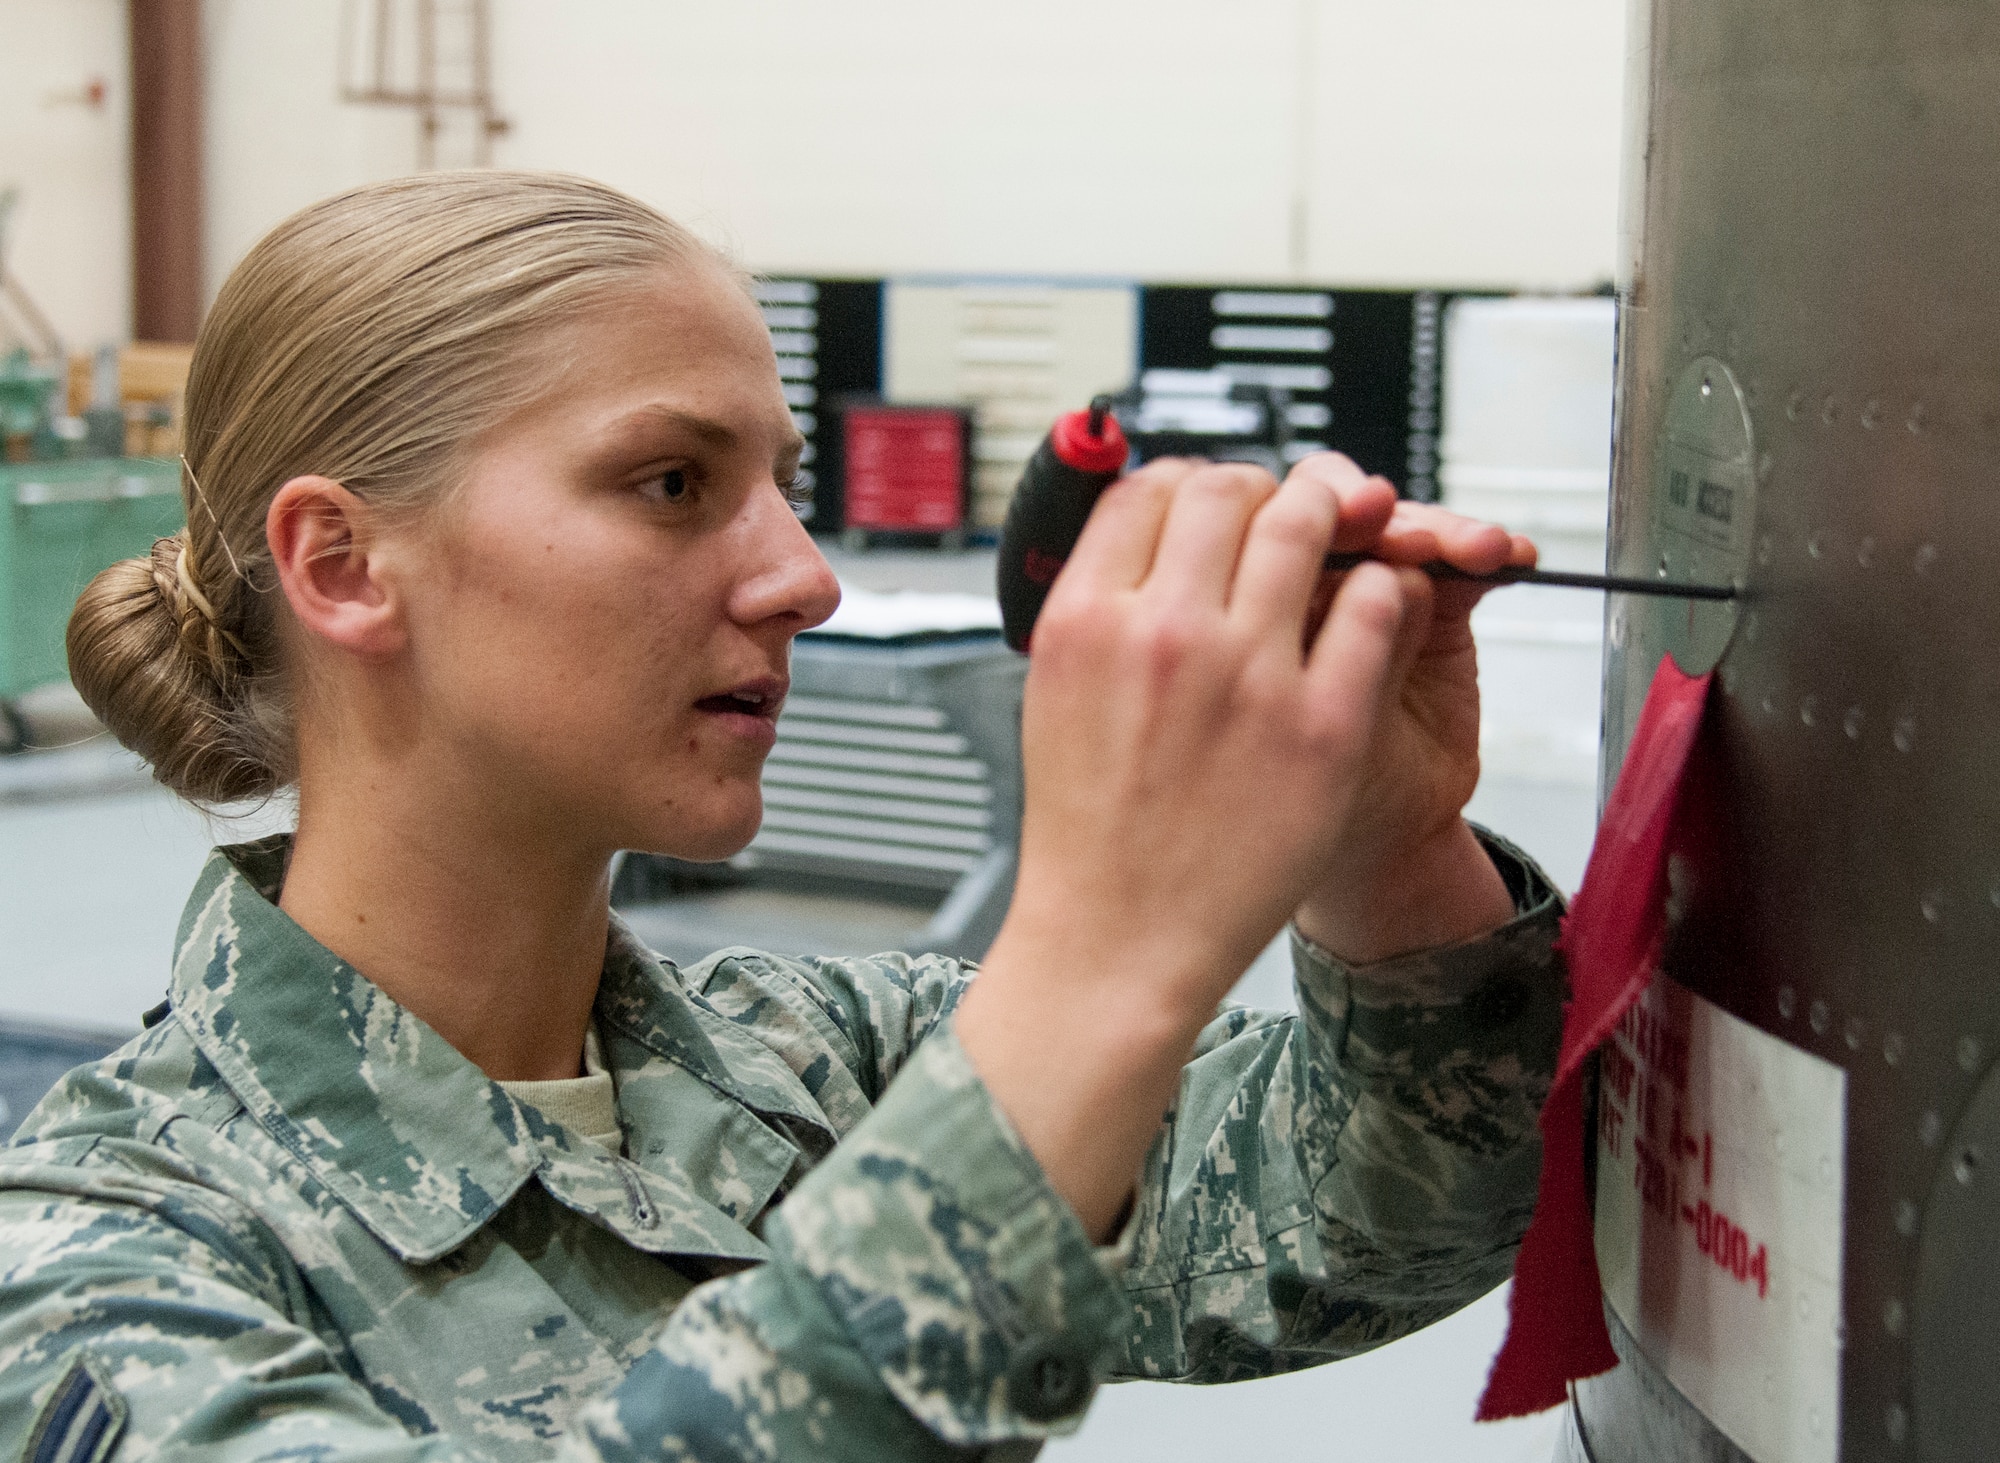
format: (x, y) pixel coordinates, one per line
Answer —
(1047, 1381)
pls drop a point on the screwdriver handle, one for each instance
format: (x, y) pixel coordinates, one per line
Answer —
(1083, 454)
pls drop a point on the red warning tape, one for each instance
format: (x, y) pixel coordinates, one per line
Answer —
(1612, 940)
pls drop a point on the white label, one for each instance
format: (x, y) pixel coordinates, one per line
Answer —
(1721, 1162)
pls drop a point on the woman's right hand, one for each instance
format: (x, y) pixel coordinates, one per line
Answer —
(1190, 743)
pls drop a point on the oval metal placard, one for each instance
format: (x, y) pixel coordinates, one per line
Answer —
(1704, 510)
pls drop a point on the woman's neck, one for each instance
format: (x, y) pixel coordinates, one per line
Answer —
(492, 936)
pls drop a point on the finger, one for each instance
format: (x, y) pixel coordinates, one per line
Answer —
(1418, 533)
(1422, 599)
(1118, 542)
(1456, 598)
(1365, 502)
(1279, 572)
(1349, 668)
(1453, 601)
(1203, 537)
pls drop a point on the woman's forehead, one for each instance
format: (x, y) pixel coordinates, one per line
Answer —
(688, 314)
(689, 355)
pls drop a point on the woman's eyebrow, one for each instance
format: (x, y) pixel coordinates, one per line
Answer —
(717, 433)
(709, 429)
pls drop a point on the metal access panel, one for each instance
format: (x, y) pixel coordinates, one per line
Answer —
(1809, 404)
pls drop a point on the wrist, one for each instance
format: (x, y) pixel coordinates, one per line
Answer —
(1442, 891)
(1127, 1007)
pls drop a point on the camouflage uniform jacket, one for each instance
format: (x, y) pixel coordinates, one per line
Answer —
(289, 1221)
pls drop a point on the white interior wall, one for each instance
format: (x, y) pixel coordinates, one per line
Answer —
(1466, 142)
(1434, 141)
(69, 243)
(278, 136)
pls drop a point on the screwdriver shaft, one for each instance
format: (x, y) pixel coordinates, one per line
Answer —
(1616, 584)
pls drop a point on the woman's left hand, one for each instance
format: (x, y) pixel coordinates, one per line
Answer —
(1406, 872)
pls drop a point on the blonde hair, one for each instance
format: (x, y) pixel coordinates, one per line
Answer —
(371, 339)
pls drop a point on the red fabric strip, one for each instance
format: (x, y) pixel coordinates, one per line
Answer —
(1611, 940)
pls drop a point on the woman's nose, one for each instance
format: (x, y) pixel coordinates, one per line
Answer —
(787, 577)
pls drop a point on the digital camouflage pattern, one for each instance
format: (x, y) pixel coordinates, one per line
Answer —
(290, 1221)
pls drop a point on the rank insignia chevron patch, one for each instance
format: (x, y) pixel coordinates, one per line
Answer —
(81, 1421)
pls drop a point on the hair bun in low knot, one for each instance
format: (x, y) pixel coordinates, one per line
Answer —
(148, 658)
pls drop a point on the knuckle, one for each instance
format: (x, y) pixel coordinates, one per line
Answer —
(1329, 731)
(1071, 625)
(1380, 610)
(1061, 617)
(1071, 616)
(1443, 516)
(1298, 520)
(1177, 650)
(1155, 478)
(1166, 646)
(1236, 481)
(1152, 483)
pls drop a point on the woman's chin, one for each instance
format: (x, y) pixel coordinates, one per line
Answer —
(710, 839)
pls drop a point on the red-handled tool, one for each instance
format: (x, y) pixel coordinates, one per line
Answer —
(1083, 454)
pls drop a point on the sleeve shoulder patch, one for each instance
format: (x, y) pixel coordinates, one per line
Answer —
(82, 1419)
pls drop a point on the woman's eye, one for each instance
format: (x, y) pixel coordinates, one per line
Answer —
(670, 486)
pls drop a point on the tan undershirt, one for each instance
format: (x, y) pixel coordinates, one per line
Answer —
(586, 1105)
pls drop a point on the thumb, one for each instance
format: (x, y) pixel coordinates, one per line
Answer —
(1413, 632)
(1354, 659)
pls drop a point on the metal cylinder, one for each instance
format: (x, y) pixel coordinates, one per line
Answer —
(1801, 1261)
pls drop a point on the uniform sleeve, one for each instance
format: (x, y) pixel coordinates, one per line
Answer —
(1333, 1180)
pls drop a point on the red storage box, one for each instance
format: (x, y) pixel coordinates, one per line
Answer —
(906, 469)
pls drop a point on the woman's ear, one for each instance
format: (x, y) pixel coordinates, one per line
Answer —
(325, 543)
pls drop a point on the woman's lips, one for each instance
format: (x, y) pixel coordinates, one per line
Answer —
(749, 711)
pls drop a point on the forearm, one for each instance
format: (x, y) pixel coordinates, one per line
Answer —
(1085, 1069)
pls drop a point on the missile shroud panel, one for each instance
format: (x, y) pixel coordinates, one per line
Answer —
(1810, 341)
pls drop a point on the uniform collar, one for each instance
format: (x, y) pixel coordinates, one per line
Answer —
(721, 1051)
(409, 1135)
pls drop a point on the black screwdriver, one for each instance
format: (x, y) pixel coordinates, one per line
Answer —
(1085, 452)
(1615, 583)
